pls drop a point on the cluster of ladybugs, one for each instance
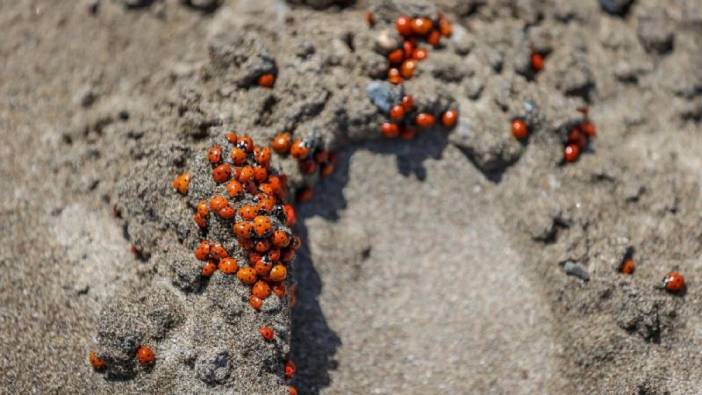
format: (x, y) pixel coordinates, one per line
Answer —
(309, 159)
(403, 60)
(257, 223)
(144, 355)
(576, 141)
(673, 282)
(405, 121)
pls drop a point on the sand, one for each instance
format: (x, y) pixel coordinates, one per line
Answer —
(459, 262)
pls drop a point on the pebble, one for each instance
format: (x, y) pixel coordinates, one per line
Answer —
(384, 94)
(576, 270)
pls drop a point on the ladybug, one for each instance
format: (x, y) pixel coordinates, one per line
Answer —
(246, 143)
(266, 80)
(407, 102)
(571, 153)
(280, 239)
(202, 209)
(218, 202)
(628, 266)
(243, 229)
(228, 266)
(576, 136)
(266, 332)
(674, 282)
(445, 27)
(274, 255)
(246, 174)
(262, 225)
(218, 251)
(231, 137)
(589, 129)
(248, 211)
(434, 38)
(281, 143)
(96, 362)
(421, 26)
(246, 275)
(262, 266)
(396, 56)
(200, 221)
(202, 251)
(238, 156)
(262, 156)
(234, 188)
(292, 390)
(181, 183)
(370, 18)
(420, 54)
(214, 154)
(290, 215)
(279, 290)
(449, 118)
(261, 289)
(537, 62)
(397, 112)
(221, 173)
(262, 246)
(290, 369)
(389, 130)
(394, 76)
(208, 269)
(145, 355)
(255, 302)
(278, 273)
(226, 212)
(424, 120)
(299, 150)
(520, 129)
(260, 174)
(407, 68)
(403, 24)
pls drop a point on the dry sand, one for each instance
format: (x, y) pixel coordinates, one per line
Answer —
(430, 266)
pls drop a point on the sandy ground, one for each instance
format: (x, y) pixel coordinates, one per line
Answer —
(430, 266)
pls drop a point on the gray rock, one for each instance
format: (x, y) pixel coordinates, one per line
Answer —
(616, 7)
(384, 94)
(576, 270)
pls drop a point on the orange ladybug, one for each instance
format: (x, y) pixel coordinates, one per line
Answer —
(96, 362)
(628, 266)
(674, 282)
(266, 332)
(145, 355)
(202, 251)
(520, 129)
(228, 266)
(246, 275)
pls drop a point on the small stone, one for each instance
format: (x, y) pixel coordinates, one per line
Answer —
(384, 94)
(616, 7)
(387, 40)
(576, 270)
